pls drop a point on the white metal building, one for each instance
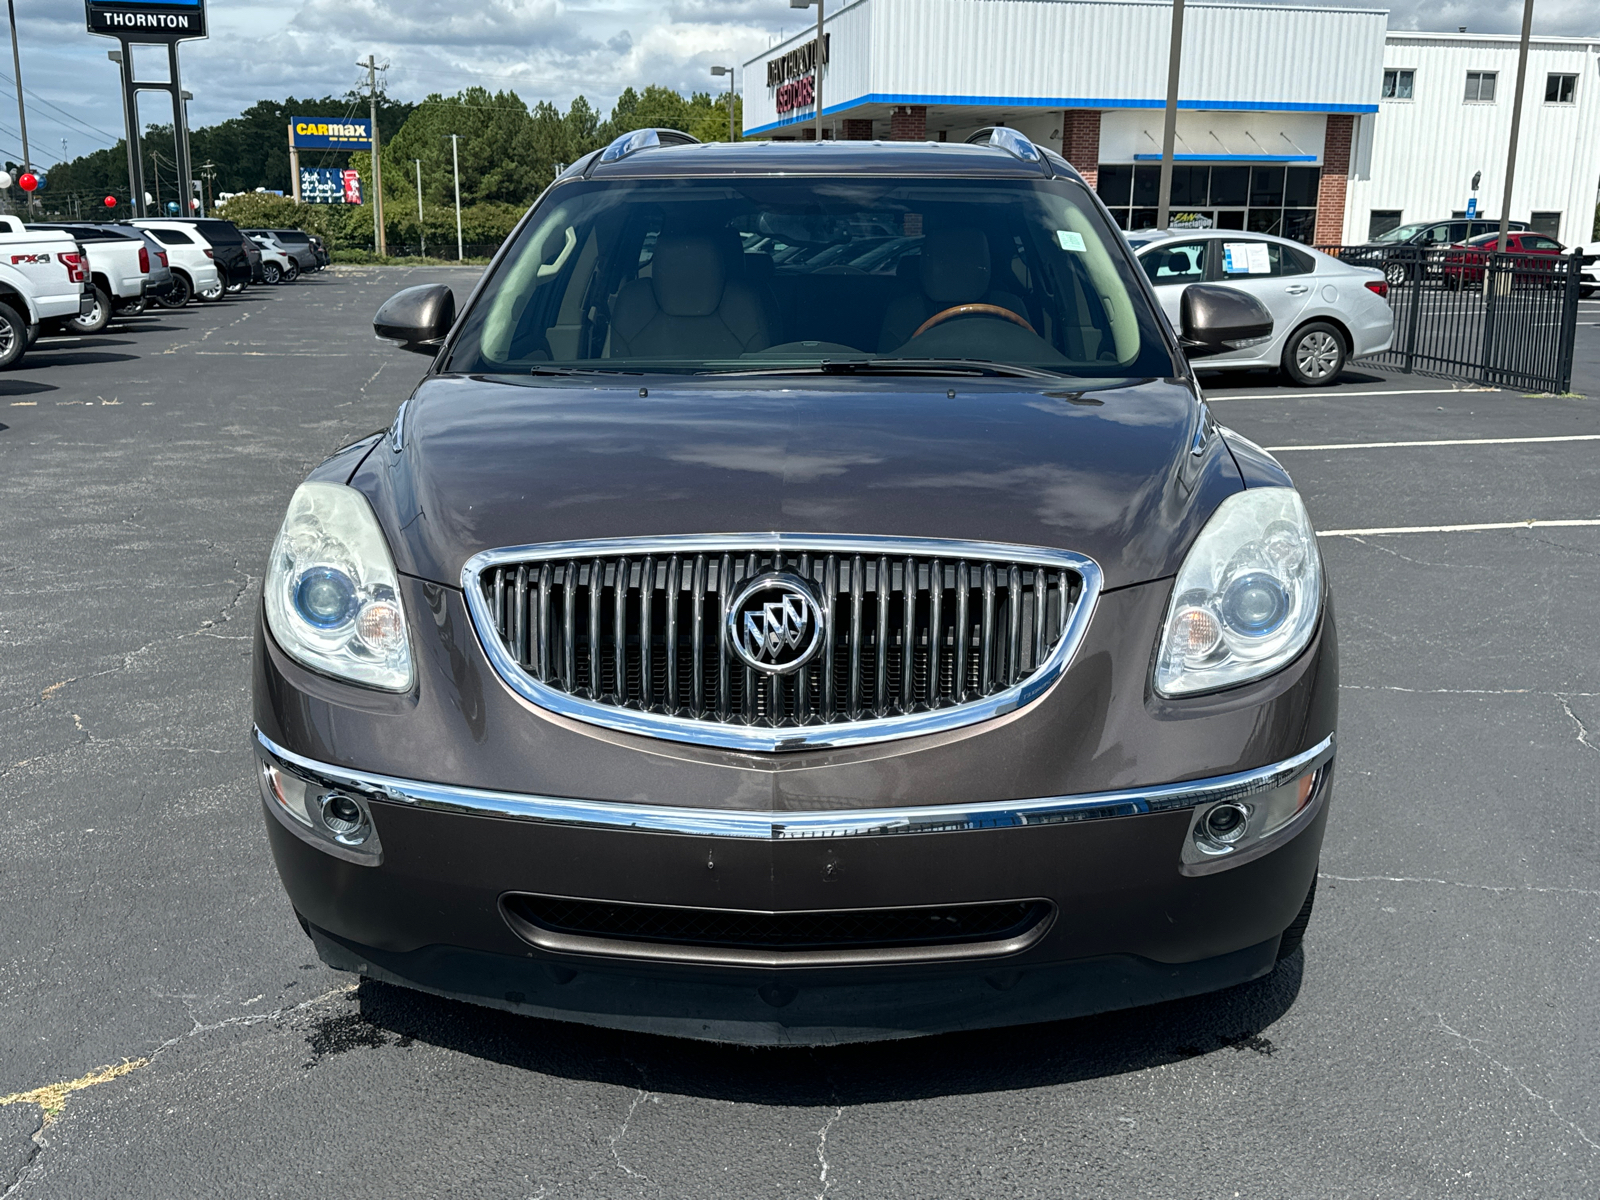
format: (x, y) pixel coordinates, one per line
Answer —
(1284, 124)
(1444, 114)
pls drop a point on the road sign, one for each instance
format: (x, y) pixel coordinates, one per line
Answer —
(1472, 208)
(147, 20)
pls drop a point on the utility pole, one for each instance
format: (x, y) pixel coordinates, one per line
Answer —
(378, 241)
(1169, 130)
(1516, 124)
(22, 112)
(210, 170)
(455, 160)
(422, 235)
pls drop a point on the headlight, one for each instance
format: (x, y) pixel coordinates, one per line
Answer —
(331, 594)
(1246, 600)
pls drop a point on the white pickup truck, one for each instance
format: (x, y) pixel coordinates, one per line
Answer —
(119, 265)
(44, 277)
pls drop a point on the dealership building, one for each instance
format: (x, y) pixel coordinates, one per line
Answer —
(1317, 123)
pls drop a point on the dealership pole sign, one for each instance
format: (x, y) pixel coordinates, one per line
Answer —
(326, 185)
(147, 21)
(144, 23)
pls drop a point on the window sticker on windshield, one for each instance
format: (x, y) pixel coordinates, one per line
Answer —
(1245, 258)
(1071, 240)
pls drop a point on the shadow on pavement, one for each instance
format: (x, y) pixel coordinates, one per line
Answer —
(24, 387)
(39, 358)
(1270, 377)
(916, 1068)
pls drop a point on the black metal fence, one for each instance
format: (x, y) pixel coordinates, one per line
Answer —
(1505, 320)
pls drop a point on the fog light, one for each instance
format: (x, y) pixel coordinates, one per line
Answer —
(344, 818)
(1226, 823)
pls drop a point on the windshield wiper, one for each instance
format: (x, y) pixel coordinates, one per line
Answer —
(969, 367)
(546, 369)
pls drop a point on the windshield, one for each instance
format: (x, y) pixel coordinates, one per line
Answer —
(1401, 233)
(714, 276)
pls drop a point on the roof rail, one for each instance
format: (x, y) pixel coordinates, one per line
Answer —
(644, 139)
(1009, 140)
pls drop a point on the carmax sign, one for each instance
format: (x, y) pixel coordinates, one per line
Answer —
(320, 133)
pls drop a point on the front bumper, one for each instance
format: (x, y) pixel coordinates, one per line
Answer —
(424, 902)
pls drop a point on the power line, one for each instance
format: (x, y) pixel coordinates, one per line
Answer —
(6, 79)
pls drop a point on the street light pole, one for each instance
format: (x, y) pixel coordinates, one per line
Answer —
(421, 234)
(728, 71)
(22, 112)
(1169, 130)
(816, 70)
(455, 162)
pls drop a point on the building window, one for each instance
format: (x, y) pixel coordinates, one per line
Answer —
(1263, 199)
(1547, 223)
(1397, 84)
(1480, 87)
(1560, 89)
(1381, 221)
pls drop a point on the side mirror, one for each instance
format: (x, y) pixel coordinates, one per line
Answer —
(418, 318)
(1214, 320)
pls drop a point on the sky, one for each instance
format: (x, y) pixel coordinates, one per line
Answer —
(543, 49)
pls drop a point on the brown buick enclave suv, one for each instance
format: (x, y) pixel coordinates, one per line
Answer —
(805, 600)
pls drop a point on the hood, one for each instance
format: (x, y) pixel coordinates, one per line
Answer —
(491, 462)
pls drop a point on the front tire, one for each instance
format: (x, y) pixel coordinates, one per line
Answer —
(291, 272)
(13, 337)
(213, 293)
(1295, 934)
(179, 294)
(270, 273)
(95, 320)
(133, 308)
(1314, 355)
(1396, 273)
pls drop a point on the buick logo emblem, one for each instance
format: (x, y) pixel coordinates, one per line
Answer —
(775, 623)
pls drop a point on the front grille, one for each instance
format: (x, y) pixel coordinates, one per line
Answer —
(858, 929)
(904, 633)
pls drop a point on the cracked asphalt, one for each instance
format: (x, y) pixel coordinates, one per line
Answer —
(166, 1030)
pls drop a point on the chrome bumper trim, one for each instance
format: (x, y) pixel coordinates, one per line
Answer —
(732, 736)
(795, 826)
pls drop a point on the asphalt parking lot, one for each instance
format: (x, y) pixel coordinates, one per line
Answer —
(166, 1030)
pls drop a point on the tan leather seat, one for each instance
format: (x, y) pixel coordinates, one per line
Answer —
(954, 270)
(688, 307)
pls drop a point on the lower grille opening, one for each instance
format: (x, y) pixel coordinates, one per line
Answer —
(836, 929)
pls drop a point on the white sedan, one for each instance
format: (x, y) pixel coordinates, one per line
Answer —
(1324, 312)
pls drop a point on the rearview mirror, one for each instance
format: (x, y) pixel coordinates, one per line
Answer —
(418, 318)
(1214, 320)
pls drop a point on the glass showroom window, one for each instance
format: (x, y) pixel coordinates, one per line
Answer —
(1397, 84)
(1270, 198)
(1480, 87)
(1560, 89)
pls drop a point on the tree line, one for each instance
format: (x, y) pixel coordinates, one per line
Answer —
(508, 154)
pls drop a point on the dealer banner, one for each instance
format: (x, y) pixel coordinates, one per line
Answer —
(326, 133)
(322, 185)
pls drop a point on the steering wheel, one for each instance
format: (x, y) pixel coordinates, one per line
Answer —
(963, 310)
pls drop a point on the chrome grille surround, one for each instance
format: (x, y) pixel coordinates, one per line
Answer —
(849, 696)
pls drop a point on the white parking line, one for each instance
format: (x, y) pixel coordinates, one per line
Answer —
(1318, 394)
(1529, 524)
(1517, 441)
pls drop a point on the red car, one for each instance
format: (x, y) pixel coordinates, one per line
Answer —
(1464, 262)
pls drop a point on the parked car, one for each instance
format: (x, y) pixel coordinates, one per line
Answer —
(293, 242)
(1324, 311)
(1398, 251)
(119, 268)
(1464, 266)
(193, 262)
(276, 263)
(928, 658)
(44, 276)
(228, 246)
(1590, 270)
(160, 280)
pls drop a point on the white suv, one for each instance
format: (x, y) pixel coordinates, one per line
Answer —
(193, 271)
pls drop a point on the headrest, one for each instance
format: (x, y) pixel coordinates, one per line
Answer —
(955, 265)
(687, 274)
